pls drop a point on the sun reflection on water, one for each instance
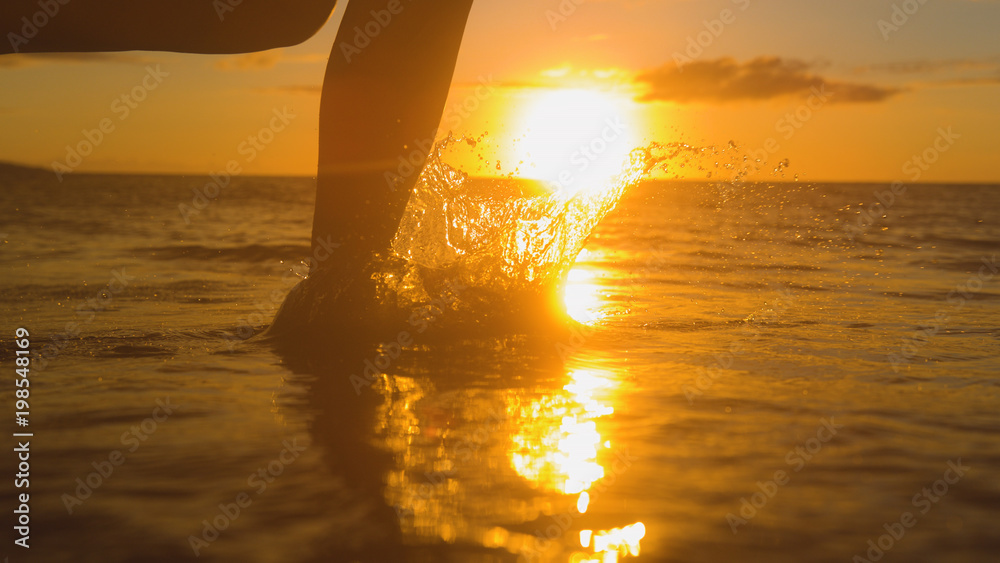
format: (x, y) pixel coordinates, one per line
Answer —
(610, 543)
(582, 295)
(558, 449)
(453, 451)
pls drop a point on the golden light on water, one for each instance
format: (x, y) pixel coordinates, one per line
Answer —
(575, 139)
(555, 444)
(611, 543)
(557, 449)
(582, 295)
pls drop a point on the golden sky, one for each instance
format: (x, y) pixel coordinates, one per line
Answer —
(850, 90)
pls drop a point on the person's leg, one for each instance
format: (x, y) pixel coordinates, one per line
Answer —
(383, 96)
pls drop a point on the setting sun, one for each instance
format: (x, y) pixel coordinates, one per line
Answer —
(551, 282)
(575, 139)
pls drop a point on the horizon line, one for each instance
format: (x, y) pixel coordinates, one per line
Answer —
(36, 169)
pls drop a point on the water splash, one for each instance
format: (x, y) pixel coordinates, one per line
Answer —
(488, 255)
(499, 237)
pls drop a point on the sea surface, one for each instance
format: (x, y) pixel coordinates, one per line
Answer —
(779, 372)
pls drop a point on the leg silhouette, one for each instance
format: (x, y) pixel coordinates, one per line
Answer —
(386, 84)
(382, 99)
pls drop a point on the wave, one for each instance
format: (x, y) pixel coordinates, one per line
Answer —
(244, 253)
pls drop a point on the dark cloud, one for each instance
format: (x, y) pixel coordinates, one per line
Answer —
(34, 59)
(928, 66)
(936, 73)
(973, 81)
(764, 78)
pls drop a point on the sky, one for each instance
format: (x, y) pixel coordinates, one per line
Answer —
(856, 90)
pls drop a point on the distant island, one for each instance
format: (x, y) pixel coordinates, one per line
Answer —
(10, 169)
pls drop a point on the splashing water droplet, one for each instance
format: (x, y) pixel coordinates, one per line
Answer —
(506, 236)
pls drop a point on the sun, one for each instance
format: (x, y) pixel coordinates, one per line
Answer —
(575, 139)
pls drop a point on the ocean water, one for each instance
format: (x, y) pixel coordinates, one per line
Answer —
(761, 373)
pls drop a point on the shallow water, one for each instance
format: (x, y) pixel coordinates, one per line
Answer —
(725, 327)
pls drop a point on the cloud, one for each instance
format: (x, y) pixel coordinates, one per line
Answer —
(961, 82)
(982, 80)
(928, 66)
(306, 89)
(264, 60)
(567, 76)
(35, 59)
(764, 78)
(251, 61)
(933, 73)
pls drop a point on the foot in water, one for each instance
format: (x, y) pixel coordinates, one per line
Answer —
(378, 104)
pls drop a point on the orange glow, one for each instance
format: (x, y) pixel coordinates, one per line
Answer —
(575, 139)
(609, 544)
(559, 450)
(582, 295)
